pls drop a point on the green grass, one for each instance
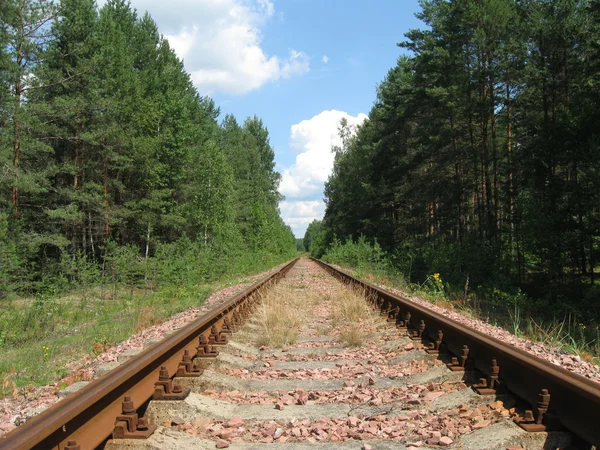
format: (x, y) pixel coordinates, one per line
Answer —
(80, 308)
(40, 337)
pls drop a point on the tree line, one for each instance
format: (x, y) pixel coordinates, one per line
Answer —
(106, 145)
(480, 159)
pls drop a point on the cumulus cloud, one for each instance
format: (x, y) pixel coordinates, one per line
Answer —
(299, 214)
(325, 59)
(220, 43)
(313, 139)
(303, 182)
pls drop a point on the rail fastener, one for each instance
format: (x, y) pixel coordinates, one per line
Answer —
(559, 398)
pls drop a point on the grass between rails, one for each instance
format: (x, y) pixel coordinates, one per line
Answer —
(351, 314)
(285, 308)
(280, 314)
(40, 337)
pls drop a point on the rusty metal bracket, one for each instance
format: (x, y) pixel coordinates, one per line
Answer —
(236, 321)
(204, 349)
(165, 390)
(435, 347)
(393, 314)
(226, 328)
(129, 425)
(216, 338)
(534, 423)
(186, 368)
(417, 334)
(72, 445)
(459, 365)
(404, 324)
(491, 384)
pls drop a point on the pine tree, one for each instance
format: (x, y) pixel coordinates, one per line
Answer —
(26, 32)
(67, 104)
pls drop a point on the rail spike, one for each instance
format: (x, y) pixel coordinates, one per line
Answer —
(457, 365)
(129, 425)
(226, 328)
(216, 338)
(417, 334)
(393, 314)
(72, 445)
(404, 324)
(436, 346)
(236, 321)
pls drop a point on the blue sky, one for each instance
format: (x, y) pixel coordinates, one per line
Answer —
(300, 65)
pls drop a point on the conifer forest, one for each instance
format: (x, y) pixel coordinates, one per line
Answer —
(126, 195)
(480, 159)
(110, 159)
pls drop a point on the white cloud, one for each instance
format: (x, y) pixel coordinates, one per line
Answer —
(303, 182)
(314, 138)
(298, 62)
(302, 209)
(325, 59)
(184, 41)
(299, 214)
(220, 42)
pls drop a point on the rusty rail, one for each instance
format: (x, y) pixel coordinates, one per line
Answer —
(574, 399)
(88, 416)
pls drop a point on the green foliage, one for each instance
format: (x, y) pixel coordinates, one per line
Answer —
(111, 158)
(11, 264)
(121, 197)
(360, 254)
(480, 159)
(316, 239)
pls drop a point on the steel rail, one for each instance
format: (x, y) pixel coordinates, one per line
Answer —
(88, 416)
(575, 400)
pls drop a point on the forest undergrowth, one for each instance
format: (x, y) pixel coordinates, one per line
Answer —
(515, 312)
(41, 334)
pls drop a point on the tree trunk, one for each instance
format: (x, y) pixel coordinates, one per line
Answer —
(496, 188)
(484, 148)
(91, 234)
(147, 242)
(76, 160)
(18, 90)
(459, 182)
(509, 175)
(477, 209)
(106, 203)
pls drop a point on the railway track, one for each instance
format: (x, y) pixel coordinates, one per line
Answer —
(413, 378)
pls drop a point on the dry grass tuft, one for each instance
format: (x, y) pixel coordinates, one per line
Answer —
(349, 305)
(353, 335)
(280, 317)
(352, 314)
(8, 385)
